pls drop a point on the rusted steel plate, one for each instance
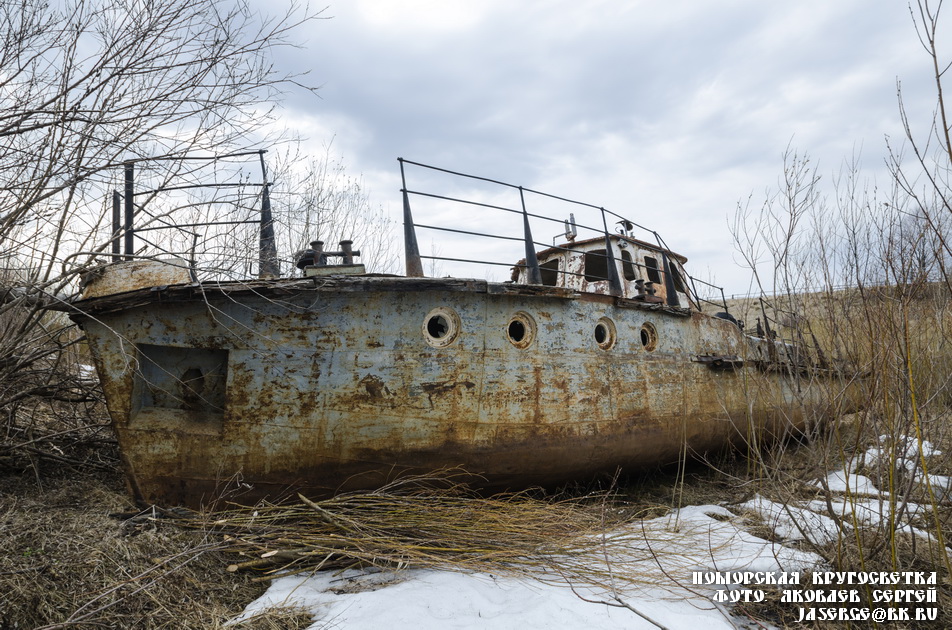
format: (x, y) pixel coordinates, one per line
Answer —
(345, 382)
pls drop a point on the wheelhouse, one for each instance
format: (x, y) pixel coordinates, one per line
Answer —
(645, 272)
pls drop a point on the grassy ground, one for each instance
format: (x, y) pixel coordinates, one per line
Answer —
(69, 563)
(73, 558)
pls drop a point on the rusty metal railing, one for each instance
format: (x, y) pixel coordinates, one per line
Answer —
(132, 221)
(701, 300)
(485, 205)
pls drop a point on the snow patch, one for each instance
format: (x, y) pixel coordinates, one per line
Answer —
(662, 552)
(694, 538)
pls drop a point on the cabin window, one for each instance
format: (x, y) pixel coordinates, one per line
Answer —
(651, 266)
(649, 336)
(550, 272)
(596, 265)
(677, 279)
(627, 266)
(521, 330)
(441, 327)
(605, 333)
(184, 379)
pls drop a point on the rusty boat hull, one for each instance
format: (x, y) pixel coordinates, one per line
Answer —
(338, 383)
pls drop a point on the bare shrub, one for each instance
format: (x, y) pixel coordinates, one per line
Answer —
(84, 87)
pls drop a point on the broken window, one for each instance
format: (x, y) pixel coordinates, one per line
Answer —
(677, 279)
(596, 265)
(628, 266)
(550, 272)
(651, 266)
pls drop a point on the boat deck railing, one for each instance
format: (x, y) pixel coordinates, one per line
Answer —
(516, 214)
(781, 319)
(229, 232)
(147, 221)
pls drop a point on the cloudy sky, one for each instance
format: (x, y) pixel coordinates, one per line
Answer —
(669, 113)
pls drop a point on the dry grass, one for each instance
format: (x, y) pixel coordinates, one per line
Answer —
(874, 329)
(888, 546)
(80, 561)
(73, 565)
(432, 522)
(81, 556)
(68, 564)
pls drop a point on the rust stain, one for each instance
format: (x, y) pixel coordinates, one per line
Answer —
(375, 387)
(443, 387)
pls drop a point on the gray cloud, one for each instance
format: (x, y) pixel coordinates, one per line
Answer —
(673, 110)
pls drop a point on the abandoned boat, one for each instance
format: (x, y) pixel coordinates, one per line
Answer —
(594, 354)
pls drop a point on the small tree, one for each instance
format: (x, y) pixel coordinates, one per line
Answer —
(927, 186)
(862, 264)
(86, 85)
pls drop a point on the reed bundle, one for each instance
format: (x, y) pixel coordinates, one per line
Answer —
(417, 524)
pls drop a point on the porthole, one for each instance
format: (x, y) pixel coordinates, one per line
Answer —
(441, 327)
(521, 330)
(649, 337)
(605, 334)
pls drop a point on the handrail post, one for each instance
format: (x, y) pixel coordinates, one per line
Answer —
(614, 282)
(129, 188)
(268, 266)
(116, 246)
(534, 273)
(671, 295)
(192, 268)
(414, 266)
